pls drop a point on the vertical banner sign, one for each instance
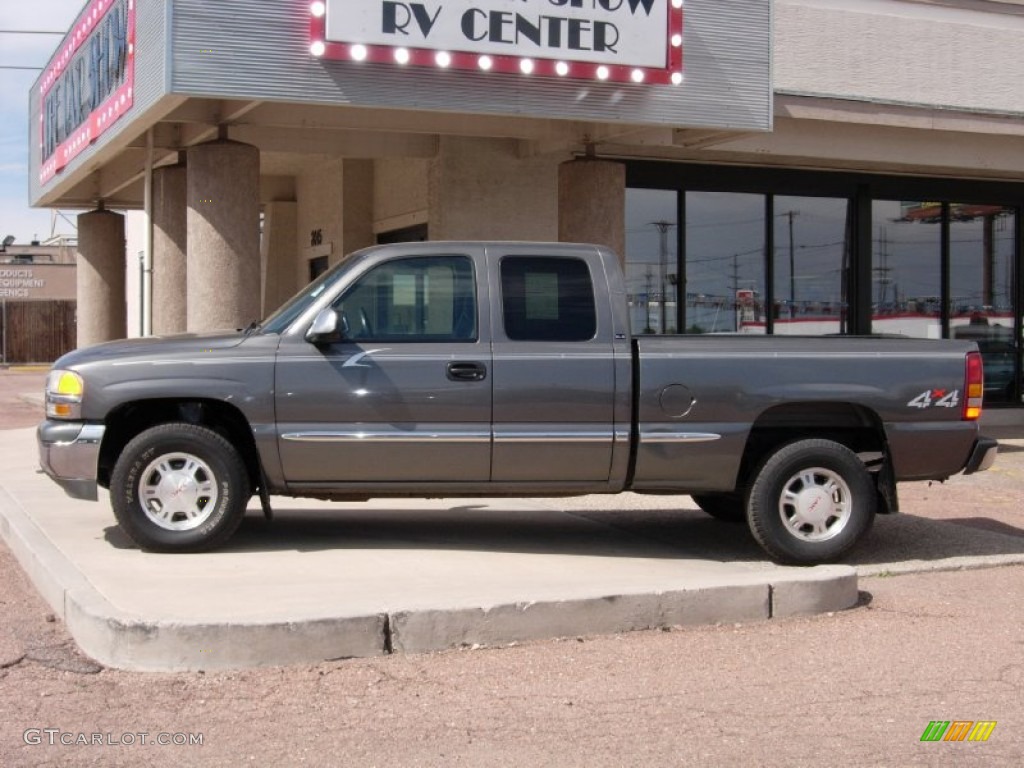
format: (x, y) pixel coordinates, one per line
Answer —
(88, 84)
(638, 41)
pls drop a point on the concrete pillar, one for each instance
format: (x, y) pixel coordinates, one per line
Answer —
(592, 203)
(277, 253)
(482, 189)
(170, 238)
(223, 236)
(357, 202)
(320, 194)
(102, 314)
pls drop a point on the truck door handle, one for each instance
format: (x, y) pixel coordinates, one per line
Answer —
(464, 371)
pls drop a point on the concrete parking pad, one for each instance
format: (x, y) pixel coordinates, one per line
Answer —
(331, 580)
(326, 581)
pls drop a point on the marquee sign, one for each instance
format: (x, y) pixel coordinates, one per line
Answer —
(88, 83)
(638, 41)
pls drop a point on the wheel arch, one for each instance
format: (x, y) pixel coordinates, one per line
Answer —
(855, 426)
(131, 419)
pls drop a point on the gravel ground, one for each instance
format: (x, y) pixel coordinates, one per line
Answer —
(852, 688)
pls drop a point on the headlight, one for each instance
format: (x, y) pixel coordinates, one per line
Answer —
(64, 390)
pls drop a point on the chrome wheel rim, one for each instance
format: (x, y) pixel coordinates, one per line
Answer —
(178, 491)
(815, 504)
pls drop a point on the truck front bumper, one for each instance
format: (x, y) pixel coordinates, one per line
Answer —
(69, 453)
(982, 455)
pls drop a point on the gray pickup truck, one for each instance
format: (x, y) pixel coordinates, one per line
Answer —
(462, 368)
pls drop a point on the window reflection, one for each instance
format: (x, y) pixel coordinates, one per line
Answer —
(724, 262)
(811, 265)
(717, 283)
(906, 263)
(981, 239)
(652, 273)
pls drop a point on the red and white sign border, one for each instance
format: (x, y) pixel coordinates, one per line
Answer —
(103, 116)
(672, 74)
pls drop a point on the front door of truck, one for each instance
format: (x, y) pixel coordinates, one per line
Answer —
(555, 370)
(404, 396)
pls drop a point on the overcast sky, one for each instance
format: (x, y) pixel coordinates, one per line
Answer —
(16, 218)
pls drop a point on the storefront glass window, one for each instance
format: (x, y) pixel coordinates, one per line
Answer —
(652, 274)
(981, 239)
(906, 274)
(848, 254)
(811, 265)
(725, 262)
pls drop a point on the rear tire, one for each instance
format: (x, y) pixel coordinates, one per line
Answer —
(179, 488)
(810, 502)
(728, 507)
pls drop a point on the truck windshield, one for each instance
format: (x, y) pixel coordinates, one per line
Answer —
(301, 301)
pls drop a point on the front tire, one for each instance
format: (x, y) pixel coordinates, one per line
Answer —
(179, 488)
(810, 502)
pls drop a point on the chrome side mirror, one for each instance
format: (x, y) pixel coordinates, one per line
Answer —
(327, 328)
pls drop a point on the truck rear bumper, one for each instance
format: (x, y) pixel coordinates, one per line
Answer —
(69, 454)
(982, 455)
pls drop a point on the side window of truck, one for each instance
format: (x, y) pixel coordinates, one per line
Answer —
(422, 299)
(547, 298)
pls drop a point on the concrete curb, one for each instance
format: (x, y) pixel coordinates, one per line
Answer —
(431, 630)
(141, 643)
(116, 639)
(825, 588)
(965, 563)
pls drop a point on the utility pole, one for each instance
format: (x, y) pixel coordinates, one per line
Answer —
(988, 260)
(663, 227)
(792, 264)
(883, 269)
(736, 290)
(647, 303)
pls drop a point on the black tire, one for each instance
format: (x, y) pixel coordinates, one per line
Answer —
(810, 502)
(722, 506)
(179, 488)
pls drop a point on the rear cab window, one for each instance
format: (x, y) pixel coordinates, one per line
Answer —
(547, 298)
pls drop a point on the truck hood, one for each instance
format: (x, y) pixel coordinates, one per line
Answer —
(164, 346)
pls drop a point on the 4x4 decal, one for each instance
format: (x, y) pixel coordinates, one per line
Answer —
(936, 398)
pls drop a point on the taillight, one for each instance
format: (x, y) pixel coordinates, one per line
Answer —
(974, 386)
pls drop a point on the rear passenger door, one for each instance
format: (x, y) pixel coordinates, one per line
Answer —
(554, 370)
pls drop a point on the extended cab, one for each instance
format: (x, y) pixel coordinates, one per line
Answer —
(469, 368)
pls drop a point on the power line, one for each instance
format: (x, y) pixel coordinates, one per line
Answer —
(27, 32)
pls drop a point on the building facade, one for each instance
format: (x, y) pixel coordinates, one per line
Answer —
(786, 166)
(37, 300)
